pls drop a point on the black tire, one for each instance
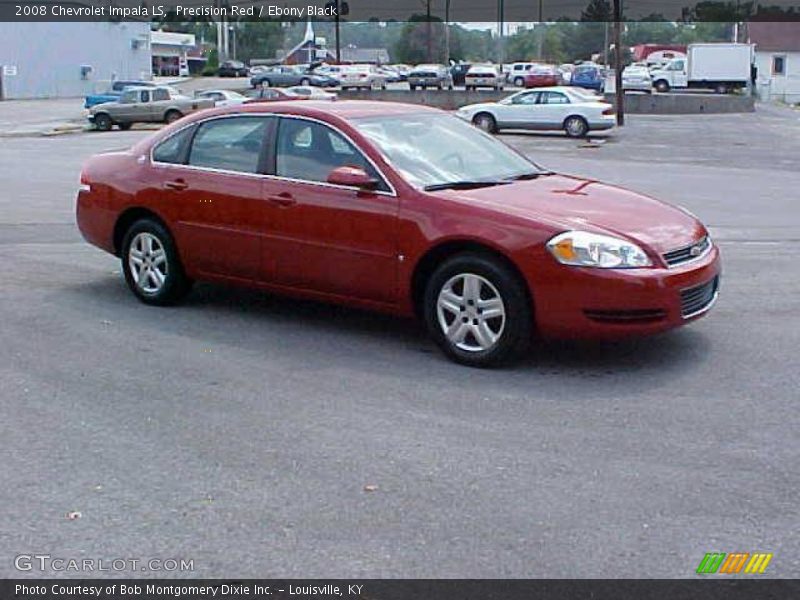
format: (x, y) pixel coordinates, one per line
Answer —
(103, 122)
(661, 86)
(413, 87)
(175, 284)
(514, 332)
(576, 126)
(124, 126)
(305, 82)
(486, 122)
(172, 116)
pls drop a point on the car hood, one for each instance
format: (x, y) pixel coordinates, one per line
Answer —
(571, 203)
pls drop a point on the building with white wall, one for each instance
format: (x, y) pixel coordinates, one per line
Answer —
(61, 60)
(777, 57)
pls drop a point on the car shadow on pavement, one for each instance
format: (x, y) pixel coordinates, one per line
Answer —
(329, 334)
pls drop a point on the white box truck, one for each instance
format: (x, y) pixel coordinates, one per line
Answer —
(720, 67)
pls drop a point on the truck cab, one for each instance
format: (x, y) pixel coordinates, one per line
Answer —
(674, 74)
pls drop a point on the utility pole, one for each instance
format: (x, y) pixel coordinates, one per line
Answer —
(338, 44)
(620, 93)
(540, 26)
(501, 18)
(429, 31)
(447, 32)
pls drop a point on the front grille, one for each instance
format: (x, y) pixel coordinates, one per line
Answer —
(695, 300)
(687, 253)
(628, 317)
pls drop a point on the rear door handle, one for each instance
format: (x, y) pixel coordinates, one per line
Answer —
(283, 200)
(178, 184)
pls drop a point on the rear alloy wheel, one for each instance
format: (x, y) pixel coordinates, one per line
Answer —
(305, 82)
(103, 122)
(477, 311)
(486, 122)
(519, 82)
(152, 268)
(576, 126)
(172, 116)
(661, 86)
(124, 126)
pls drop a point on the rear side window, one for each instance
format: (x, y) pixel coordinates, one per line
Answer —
(232, 144)
(173, 149)
(553, 98)
(160, 94)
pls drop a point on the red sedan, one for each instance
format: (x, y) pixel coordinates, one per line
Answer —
(398, 208)
(542, 76)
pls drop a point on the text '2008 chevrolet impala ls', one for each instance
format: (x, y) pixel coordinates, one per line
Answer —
(398, 208)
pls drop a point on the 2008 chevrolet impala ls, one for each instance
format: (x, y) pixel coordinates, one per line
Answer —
(398, 208)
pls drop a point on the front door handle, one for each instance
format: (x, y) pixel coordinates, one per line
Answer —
(282, 200)
(177, 184)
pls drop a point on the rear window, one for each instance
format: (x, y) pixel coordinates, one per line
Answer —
(231, 144)
(173, 149)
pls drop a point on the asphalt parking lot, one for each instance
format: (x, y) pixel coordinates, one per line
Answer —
(243, 431)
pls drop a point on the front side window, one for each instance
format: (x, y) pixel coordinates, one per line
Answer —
(160, 94)
(527, 98)
(232, 144)
(310, 151)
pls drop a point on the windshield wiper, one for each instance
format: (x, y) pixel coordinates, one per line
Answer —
(527, 176)
(463, 185)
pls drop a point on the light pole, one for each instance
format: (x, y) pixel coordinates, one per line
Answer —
(620, 93)
(232, 29)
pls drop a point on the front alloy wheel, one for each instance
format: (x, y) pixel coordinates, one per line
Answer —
(477, 310)
(471, 312)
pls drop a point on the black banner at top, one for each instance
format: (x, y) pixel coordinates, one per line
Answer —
(459, 11)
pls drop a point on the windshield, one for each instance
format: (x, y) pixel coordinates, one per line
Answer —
(432, 150)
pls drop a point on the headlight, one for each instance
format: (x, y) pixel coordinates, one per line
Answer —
(583, 249)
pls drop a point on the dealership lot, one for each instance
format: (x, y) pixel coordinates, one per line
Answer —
(257, 435)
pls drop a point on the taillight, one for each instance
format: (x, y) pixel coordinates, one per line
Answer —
(609, 111)
(85, 185)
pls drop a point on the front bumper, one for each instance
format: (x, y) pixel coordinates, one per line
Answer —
(589, 303)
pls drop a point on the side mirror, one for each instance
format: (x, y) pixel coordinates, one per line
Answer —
(352, 177)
